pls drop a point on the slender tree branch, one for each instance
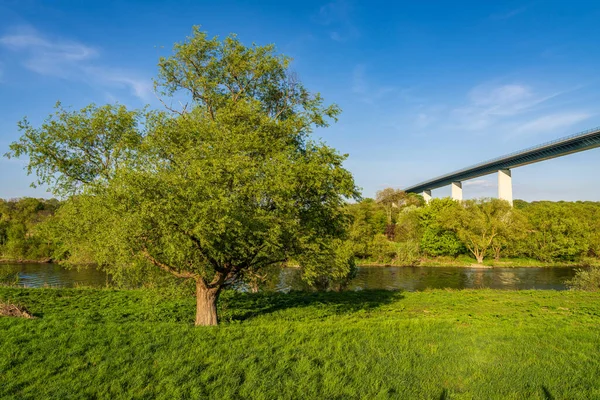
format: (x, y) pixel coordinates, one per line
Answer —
(168, 268)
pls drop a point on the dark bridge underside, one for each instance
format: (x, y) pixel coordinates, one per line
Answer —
(571, 144)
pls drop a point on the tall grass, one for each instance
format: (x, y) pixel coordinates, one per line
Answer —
(480, 344)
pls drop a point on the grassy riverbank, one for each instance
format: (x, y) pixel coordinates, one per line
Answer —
(466, 261)
(437, 344)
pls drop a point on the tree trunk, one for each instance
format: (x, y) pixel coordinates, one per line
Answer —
(497, 253)
(479, 258)
(206, 305)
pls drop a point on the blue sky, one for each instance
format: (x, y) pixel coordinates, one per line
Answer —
(426, 87)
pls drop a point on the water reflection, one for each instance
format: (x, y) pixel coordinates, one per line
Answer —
(406, 278)
(52, 275)
(421, 278)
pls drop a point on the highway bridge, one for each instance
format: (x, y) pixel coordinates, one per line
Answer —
(502, 165)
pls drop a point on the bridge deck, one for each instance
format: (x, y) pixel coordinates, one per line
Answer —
(567, 145)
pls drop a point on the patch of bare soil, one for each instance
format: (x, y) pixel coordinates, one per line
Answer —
(14, 310)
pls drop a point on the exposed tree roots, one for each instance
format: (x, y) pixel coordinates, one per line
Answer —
(14, 310)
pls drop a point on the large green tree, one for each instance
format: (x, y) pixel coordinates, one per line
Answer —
(558, 231)
(436, 238)
(229, 183)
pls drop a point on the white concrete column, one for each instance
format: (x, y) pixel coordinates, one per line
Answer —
(505, 185)
(427, 196)
(457, 191)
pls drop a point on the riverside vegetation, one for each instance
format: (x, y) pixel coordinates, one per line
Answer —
(407, 232)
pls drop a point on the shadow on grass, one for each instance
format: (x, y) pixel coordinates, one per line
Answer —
(243, 306)
(547, 394)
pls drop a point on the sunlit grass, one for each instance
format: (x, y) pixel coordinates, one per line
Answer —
(479, 344)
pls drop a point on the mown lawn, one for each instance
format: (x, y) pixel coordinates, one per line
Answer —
(472, 344)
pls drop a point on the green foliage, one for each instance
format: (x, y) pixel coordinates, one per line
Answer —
(230, 183)
(72, 149)
(549, 232)
(559, 231)
(382, 249)
(330, 268)
(437, 239)
(23, 234)
(212, 74)
(407, 253)
(479, 223)
(368, 220)
(472, 344)
(586, 279)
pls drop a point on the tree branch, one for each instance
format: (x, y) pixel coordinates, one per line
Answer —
(166, 267)
(200, 248)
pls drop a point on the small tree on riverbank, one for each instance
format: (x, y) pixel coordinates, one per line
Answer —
(479, 223)
(227, 183)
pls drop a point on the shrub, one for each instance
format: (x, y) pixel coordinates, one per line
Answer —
(586, 279)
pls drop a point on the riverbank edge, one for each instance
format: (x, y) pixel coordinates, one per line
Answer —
(506, 263)
(435, 262)
(10, 261)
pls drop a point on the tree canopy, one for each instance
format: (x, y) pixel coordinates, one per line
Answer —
(224, 186)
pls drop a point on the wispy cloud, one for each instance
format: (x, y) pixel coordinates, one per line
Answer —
(366, 91)
(553, 122)
(487, 104)
(505, 110)
(46, 57)
(72, 60)
(509, 14)
(141, 88)
(336, 16)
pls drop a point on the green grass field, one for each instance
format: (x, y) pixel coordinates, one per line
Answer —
(473, 344)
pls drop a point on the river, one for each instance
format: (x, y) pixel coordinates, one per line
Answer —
(405, 278)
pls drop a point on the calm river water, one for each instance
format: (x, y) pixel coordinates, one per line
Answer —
(406, 278)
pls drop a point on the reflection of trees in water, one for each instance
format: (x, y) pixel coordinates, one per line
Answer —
(421, 278)
(406, 278)
(40, 275)
(509, 277)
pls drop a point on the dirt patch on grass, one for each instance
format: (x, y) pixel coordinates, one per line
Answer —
(14, 310)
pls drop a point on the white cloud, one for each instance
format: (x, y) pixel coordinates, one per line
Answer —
(141, 88)
(509, 14)
(359, 84)
(336, 15)
(423, 120)
(553, 122)
(70, 60)
(487, 104)
(365, 91)
(500, 110)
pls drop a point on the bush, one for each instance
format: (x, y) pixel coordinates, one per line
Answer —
(586, 279)
(407, 253)
(383, 250)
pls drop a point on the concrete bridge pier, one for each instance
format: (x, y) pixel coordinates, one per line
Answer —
(457, 193)
(427, 196)
(505, 185)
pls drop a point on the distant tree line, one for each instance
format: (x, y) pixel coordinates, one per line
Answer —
(399, 228)
(394, 228)
(23, 226)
